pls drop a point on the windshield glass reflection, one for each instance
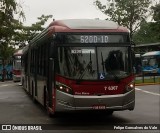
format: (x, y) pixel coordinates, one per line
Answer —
(103, 63)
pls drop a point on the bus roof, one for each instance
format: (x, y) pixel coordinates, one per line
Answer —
(87, 24)
(152, 53)
(25, 49)
(78, 25)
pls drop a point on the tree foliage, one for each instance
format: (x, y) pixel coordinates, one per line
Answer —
(22, 34)
(9, 8)
(156, 17)
(6, 51)
(129, 13)
(8, 24)
(36, 28)
(25, 33)
(12, 31)
(156, 11)
(146, 34)
(149, 31)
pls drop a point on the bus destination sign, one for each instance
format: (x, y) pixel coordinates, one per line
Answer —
(95, 38)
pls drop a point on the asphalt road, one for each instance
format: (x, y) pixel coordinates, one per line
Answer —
(16, 107)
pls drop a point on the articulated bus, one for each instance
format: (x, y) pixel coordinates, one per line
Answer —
(17, 65)
(151, 62)
(79, 65)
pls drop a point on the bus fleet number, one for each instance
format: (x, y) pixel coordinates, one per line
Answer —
(94, 39)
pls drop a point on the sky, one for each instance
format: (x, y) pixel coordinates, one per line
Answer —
(60, 9)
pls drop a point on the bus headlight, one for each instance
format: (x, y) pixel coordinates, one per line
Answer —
(63, 88)
(130, 86)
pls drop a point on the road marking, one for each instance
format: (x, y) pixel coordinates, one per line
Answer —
(156, 94)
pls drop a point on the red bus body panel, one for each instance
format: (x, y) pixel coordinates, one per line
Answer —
(96, 87)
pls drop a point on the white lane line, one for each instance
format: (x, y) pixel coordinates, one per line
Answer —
(152, 93)
(138, 89)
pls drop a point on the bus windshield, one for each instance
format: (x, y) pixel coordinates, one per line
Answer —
(93, 63)
(17, 64)
(149, 61)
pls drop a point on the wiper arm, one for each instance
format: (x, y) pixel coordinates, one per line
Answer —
(89, 66)
(102, 62)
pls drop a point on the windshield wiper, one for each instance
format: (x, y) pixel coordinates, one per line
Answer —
(102, 62)
(89, 66)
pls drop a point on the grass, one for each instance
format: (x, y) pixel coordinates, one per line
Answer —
(147, 80)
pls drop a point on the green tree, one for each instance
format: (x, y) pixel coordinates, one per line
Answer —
(6, 51)
(36, 28)
(146, 34)
(149, 31)
(156, 17)
(156, 12)
(8, 8)
(25, 33)
(129, 13)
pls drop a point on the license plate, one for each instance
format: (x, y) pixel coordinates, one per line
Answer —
(98, 107)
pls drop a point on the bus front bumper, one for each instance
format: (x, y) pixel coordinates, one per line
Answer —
(66, 102)
(16, 78)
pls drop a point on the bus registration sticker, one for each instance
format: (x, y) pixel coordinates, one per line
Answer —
(97, 107)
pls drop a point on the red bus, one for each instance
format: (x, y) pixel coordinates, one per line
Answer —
(81, 64)
(17, 65)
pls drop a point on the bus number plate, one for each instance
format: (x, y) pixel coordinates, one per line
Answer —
(97, 107)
